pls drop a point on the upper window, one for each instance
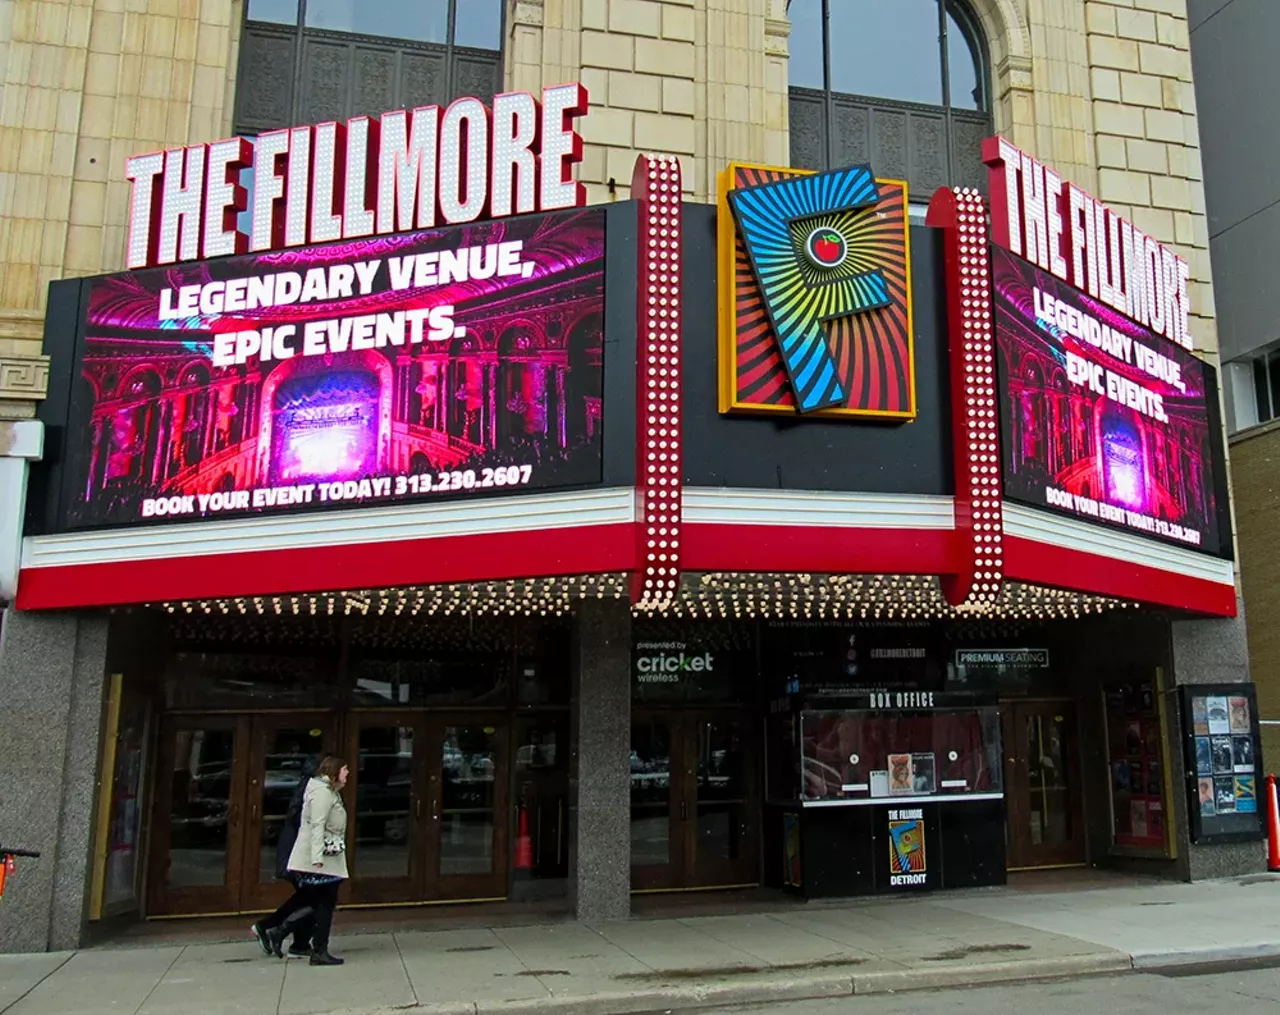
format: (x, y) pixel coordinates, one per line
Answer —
(899, 83)
(305, 61)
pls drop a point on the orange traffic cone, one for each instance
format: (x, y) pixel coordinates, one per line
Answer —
(524, 844)
(1273, 826)
(4, 870)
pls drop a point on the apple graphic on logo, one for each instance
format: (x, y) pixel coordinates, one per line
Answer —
(826, 247)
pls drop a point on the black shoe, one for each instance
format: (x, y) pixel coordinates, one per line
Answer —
(323, 958)
(262, 938)
(299, 951)
(275, 938)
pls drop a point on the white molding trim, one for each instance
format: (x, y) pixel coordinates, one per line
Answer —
(1070, 534)
(334, 528)
(724, 506)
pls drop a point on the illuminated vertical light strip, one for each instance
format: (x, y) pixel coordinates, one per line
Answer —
(655, 186)
(978, 574)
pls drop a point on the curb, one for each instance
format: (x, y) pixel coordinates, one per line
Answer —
(780, 990)
(1211, 955)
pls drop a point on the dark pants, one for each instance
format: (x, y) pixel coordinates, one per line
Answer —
(322, 899)
(294, 915)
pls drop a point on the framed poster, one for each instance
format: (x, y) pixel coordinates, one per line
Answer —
(1223, 761)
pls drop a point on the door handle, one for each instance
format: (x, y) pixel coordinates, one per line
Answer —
(417, 808)
(253, 813)
(684, 810)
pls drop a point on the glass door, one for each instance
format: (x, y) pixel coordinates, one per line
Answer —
(430, 807)
(1042, 785)
(657, 849)
(467, 777)
(280, 745)
(198, 829)
(388, 822)
(694, 800)
(724, 804)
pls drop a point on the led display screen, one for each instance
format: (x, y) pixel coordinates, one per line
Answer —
(1101, 419)
(457, 362)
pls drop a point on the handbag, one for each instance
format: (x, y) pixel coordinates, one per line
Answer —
(334, 845)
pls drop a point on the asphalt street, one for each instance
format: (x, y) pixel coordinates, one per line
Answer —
(1240, 991)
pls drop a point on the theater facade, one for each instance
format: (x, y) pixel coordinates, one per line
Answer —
(831, 538)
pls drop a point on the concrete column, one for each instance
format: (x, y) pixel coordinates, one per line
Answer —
(21, 442)
(600, 776)
(1211, 652)
(51, 690)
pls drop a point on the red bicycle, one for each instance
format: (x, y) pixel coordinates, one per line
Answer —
(7, 864)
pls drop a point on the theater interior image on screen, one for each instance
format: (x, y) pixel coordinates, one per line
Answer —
(1101, 418)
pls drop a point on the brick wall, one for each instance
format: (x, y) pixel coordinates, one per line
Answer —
(1147, 142)
(86, 84)
(1101, 90)
(1255, 471)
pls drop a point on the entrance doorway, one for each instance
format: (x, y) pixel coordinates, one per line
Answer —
(224, 786)
(1042, 785)
(694, 800)
(430, 806)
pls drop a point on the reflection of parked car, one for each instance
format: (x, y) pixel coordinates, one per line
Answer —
(384, 791)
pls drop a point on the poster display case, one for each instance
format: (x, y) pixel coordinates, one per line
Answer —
(1223, 762)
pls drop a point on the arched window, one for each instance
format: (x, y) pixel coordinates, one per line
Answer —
(901, 84)
(307, 61)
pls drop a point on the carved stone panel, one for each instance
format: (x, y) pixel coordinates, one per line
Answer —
(264, 91)
(421, 79)
(808, 131)
(927, 153)
(477, 74)
(889, 144)
(850, 142)
(375, 80)
(326, 80)
(967, 135)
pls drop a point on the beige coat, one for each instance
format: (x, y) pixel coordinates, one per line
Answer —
(322, 815)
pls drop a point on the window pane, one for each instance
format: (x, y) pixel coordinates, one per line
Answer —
(282, 12)
(1273, 372)
(1261, 390)
(421, 20)
(805, 43)
(886, 50)
(478, 23)
(963, 65)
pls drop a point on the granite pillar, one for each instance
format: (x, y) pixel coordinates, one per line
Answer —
(51, 690)
(600, 774)
(1212, 652)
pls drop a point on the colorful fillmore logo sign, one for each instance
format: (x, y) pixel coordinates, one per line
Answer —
(406, 170)
(1077, 239)
(815, 301)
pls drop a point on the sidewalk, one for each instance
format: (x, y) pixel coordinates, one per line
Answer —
(785, 951)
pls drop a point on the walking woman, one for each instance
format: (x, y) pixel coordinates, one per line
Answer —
(293, 916)
(319, 857)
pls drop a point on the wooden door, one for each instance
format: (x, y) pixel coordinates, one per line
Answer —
(430, 815)
(468, 831)
(279, 746)
(198, 827)
(722, 808)
(387, 830)
(1042, 785)
(694, 800)
(658, 801)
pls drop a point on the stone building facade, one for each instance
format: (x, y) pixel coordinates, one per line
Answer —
(1102, 91)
